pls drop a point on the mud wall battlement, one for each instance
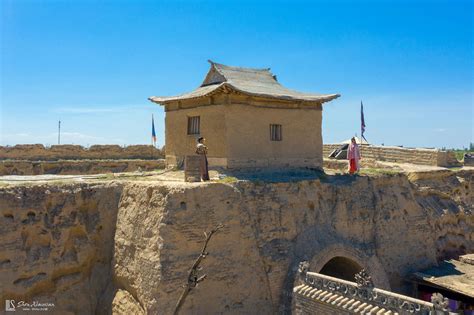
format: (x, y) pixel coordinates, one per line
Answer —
(38, 152)
(131, 244)
(402, 155)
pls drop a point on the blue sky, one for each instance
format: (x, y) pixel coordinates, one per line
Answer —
(92, 64)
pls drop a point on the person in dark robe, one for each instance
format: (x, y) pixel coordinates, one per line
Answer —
(201, 150)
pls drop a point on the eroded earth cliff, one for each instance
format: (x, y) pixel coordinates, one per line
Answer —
(126, 247)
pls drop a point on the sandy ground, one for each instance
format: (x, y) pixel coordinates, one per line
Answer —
(272, 175)
(407, 167)
(161, 175)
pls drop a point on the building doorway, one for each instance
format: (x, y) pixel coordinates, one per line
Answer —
(342, 268)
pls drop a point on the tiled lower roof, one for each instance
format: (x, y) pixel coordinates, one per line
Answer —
(360, 297)
(340, 302)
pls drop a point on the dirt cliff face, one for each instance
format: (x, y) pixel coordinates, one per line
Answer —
(152, 232)
(391, 225)
(57, 244)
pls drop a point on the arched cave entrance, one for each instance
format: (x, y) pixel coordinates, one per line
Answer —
(342, 268)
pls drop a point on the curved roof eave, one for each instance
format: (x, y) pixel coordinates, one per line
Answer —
(209, 90)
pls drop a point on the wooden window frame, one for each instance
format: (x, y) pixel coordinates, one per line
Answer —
(276, 132)
(194, 125)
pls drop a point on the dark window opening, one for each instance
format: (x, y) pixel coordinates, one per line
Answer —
(194, 125)
(275, 133)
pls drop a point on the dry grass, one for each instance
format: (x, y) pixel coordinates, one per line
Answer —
(228, 180)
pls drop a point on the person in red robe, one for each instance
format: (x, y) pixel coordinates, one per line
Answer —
(353, 155)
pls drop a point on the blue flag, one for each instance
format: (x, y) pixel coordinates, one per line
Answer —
(362, 121)
(153, 133)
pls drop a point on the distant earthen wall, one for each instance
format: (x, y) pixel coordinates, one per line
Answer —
(37, 152)
(77, 167)
(402, 155)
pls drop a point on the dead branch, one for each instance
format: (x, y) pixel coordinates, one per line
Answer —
(193, 277)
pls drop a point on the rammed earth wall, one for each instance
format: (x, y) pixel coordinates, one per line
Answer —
(77, 167)
(402, 155)
(37, 152)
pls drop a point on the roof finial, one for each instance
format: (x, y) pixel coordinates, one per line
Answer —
(210, 61)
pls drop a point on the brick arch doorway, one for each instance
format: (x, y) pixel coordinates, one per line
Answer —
(352, 260)
(341, 267)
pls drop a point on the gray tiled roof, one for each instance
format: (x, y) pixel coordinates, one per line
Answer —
(340, 302)
(249, 81)
(347, 297)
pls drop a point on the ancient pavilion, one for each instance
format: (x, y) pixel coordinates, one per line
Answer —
(248, 119)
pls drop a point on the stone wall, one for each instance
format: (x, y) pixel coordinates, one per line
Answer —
(66, 243)
(37, 152)
(402, 155)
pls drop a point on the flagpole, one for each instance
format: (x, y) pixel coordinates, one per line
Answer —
(152, 140)
(362, 123)
(59, 132)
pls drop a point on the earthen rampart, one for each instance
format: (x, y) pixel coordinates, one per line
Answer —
(38, 152)
(77, 167)
(420, 156)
